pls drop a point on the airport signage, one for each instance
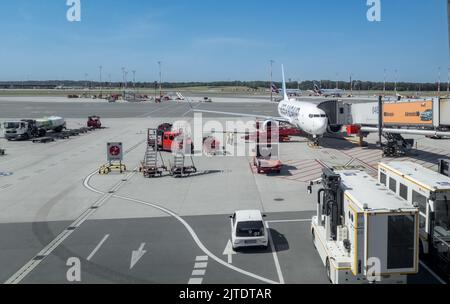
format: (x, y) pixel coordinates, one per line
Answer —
(114, 152)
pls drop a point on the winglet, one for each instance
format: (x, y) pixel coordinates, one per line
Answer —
(285, 95)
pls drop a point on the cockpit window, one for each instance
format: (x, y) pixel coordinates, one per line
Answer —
(317, 116)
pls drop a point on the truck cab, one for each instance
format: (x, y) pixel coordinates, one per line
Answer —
(19, 130)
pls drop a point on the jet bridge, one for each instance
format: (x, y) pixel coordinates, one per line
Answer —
(339, 114)
(427, 117)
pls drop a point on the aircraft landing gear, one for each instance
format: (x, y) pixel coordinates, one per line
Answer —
(315, 143)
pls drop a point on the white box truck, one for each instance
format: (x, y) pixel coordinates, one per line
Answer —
(430, 192)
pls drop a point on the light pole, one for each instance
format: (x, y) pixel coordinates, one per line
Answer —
(439, 82)
(395, 82)
(160, 78)
(384, 83)
(271, 79)
(351, 84)
(134, 79)
(100, 77)
(86, 75)
(123, 78)
(448, 82)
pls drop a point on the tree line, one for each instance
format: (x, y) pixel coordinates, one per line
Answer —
(250, 85)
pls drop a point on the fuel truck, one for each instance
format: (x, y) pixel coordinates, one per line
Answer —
(29, 128)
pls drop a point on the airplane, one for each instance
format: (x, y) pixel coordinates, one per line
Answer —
(327, 92)
(291, 92)
(303, 115)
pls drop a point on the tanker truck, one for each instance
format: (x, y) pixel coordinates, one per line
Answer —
(29, 128)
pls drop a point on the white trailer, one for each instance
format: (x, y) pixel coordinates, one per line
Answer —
(363, 233)
(430, 192)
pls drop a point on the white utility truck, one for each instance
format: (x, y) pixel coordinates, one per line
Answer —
(30, 128)
(430, 191)
(364, 233)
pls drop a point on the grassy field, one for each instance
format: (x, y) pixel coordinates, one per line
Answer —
(206, 91)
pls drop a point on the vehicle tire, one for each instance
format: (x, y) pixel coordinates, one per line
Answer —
(314, 238)
(328, 269)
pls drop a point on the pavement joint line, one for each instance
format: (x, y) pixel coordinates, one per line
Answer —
(275, 256)
(97, 247)
(433, 273)
(146, 115)
(190, 110)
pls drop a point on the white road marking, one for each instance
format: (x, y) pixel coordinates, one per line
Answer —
(433, 273)
(202, 258)
(195, 281)
(275, 256)
(136, 255)
(198, 272)
(229, 252)
(44, 253)
(200, 265)
(197, 240)
(98, 247)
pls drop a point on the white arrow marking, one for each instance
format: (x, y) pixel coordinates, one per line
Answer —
(229, 252)
(137, 255)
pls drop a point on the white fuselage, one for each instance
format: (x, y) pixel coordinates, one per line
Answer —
(304, 115)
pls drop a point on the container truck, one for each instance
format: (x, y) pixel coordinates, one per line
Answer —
(29, 128)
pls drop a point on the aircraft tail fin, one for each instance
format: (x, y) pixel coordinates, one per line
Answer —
(316, 88)
(285, 94)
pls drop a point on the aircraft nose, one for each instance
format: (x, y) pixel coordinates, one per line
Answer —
(321, 125)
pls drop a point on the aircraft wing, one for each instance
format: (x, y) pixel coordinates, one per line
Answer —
(279, 119)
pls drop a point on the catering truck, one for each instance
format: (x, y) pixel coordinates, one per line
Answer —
(29, 128)
(430, 191)
(362, 232)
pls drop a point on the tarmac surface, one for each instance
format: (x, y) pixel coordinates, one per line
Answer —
(56, 210)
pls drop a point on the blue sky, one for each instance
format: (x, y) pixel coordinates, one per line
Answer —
(205, 40)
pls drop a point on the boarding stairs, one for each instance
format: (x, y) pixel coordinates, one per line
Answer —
(179, 168)
(396, 145)
(150, 166)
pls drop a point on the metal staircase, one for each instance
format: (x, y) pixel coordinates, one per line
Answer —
(150, 166)
(396, 145)
(179, 169)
